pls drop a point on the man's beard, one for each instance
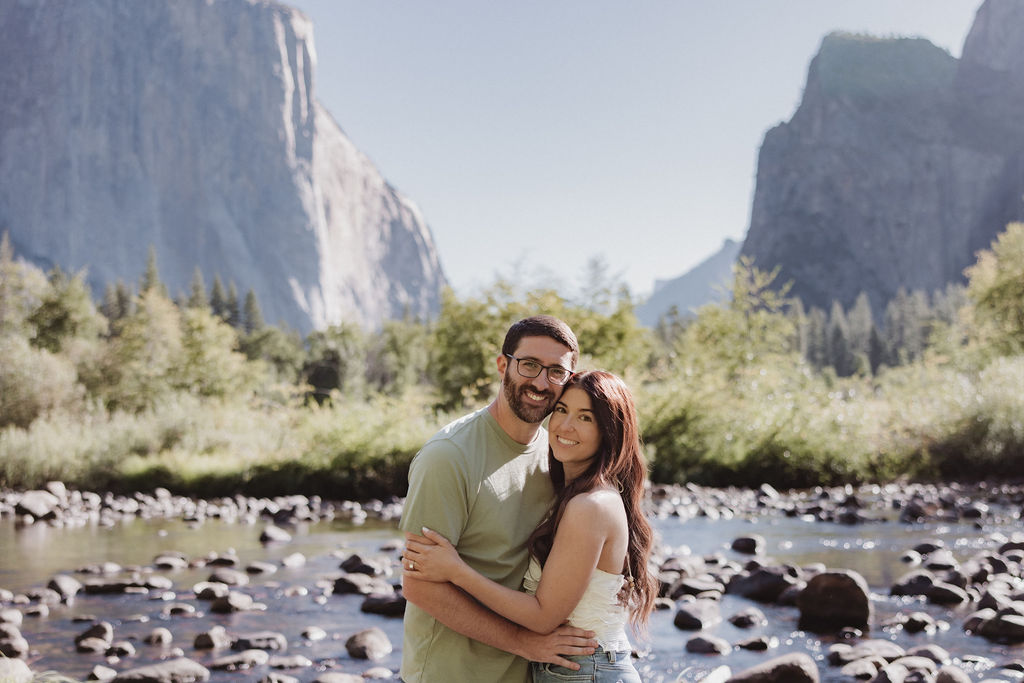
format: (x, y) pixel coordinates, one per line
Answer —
(527, 413)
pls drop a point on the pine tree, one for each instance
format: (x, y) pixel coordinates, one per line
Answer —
(197, 291)
(218, 298)
(253, 314)
(840, 354)
(860, 322)
(151, 278)
(232, 310)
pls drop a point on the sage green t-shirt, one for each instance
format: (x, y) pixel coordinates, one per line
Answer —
(485, 493)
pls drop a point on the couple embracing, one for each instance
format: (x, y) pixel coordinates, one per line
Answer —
(525, 544)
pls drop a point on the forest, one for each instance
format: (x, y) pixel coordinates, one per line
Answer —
(195, 392)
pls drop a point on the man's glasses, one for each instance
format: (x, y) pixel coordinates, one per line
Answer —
(530, 368)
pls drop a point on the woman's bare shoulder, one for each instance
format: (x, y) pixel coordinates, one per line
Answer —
(600, 501)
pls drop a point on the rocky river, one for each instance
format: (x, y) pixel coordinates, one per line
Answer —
(888, 584)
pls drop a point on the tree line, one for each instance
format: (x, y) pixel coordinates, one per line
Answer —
(752, 389)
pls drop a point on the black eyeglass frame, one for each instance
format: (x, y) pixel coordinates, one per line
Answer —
(546, 368)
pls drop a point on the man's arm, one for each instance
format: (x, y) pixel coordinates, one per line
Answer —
(461, 613)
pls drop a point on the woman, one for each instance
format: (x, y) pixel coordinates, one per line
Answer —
(594, 541)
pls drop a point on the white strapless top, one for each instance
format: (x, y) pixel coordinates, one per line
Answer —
(598, 610)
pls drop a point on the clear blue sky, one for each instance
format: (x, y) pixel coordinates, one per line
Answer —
(537, 135)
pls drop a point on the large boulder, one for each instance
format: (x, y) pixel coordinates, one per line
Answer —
(835, 599)
(791, 668)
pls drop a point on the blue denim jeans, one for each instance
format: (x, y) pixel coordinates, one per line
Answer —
(600, 667)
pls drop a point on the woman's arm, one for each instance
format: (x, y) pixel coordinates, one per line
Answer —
(578, 542)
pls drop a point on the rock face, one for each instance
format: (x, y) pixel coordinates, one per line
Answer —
(193, 127)
(900, 163)
(708, 282)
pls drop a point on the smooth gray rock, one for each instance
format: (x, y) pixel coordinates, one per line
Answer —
(834, 599)
(697, 615)
(247, 659)
(261, 640)
(180, 670)
(371, 643)
(791, 668)
(710, 645)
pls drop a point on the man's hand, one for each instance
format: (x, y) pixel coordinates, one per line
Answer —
(564, 640)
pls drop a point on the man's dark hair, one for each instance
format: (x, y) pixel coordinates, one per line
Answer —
(542, 326)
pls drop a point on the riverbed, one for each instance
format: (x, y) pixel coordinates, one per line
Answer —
(299, 597)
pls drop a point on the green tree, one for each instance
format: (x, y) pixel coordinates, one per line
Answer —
(252, 314)
(136, 370)
(66, 312)
(22, 287)
(466, 340)
(996, 286)
(281, 350)
(218, 298)
(398, 356)
(117, 303)
(33, 382)
(336, 360)
(151, 276)
(208, 364)
(197, 291)
(232, 308)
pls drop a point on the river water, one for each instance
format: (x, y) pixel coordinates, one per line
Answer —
(31, 555)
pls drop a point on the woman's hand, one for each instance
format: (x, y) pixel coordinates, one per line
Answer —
(431, 557)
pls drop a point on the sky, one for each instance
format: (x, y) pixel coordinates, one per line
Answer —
(540, 137)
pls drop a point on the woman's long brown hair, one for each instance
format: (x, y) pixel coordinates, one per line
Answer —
(619, 461)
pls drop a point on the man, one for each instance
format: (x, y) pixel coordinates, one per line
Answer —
(483, 483)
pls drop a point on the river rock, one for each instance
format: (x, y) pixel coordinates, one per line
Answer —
(12, 643)
(378, 673)
(210, 590)
(386, 604)
(170, 560)
(229, 576)
(917, 622)
(14, 670)
(758, 643)
(91, 645)
(216, 638)
(261, 640)
(65, 586)
(38, 504)
(293, 560)
(360, 583)
(943, 593)
(180, 670)
(120, 648)
(102, 631)
(952, 674)
(748, 618)
(232, 602)
(934, 652)
(914, 582)
(763, 584)
(354, 564)
(260, 567)
(10, 615)
(863, 669)
(791, 668)
(371, 643)
(278, 677)
(274, 534)
(697, 615)
(314, 633)
(749, 545)
(835, 599)
(101, 673)
(289, 662)
(709, 645)
(891, 673)
(247, 659)
(337, 677)
(159, 636)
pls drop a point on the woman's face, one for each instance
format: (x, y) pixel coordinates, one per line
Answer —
(573, 433)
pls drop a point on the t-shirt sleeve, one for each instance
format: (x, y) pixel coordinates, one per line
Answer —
(438, 492)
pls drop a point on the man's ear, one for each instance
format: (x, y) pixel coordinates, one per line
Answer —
(502, 364)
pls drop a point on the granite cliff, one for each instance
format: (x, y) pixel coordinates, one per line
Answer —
(900, 163)
(193, 127)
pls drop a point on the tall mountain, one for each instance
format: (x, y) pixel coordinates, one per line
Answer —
(708, 281)
(900, 163)
(193, 127)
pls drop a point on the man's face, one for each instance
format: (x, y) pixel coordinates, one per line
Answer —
(531, 399)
